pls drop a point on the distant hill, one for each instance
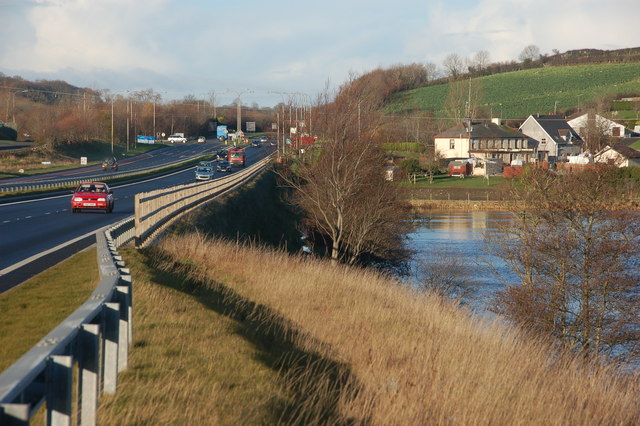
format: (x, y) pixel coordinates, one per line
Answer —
(517, 94)
(41, 91)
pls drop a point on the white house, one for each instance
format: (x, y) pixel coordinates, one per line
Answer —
(604, 126)
(621, 155)
(556, 138)
(484, 141)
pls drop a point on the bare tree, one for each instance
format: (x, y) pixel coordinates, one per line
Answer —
(479, 62)
(463, 99)
(432, 166)
(529, 53)
(340, 183)
(574, 249)
(596, 131)
(433, 72)
(453, 65)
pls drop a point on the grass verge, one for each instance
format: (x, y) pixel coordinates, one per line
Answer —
(30, 311)
(193, 362)
(65, 157)
(388, 355)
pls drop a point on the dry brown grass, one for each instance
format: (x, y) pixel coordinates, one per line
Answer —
(32, 161)
(189, 364)
(411, 358)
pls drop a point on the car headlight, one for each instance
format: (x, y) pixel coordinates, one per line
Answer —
(77, 198)
(102, 199)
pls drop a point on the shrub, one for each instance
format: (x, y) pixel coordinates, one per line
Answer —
(411, 166)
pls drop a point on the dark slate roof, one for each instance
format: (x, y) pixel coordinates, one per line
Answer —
(626, 151)
(557, 127)
(628, 141)
(482, 131)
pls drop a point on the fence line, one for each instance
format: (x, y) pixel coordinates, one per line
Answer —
(154, 210)
(95, 338)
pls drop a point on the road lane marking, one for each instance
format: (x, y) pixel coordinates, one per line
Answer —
(46, 252)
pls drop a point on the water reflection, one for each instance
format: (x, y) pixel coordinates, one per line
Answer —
(461, 234)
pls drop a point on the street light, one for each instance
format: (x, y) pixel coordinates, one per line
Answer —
(239, 108)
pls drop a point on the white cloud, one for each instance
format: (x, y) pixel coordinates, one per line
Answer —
(195, 46)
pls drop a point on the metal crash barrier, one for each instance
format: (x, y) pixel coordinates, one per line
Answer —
(97, 336)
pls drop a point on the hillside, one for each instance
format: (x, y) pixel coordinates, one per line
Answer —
(517, 94)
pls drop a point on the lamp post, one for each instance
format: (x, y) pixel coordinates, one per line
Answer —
(239, 107)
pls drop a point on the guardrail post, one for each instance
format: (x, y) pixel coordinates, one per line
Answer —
(125, 279)
(89, 366)
(59, 390)
(136, 223)
(110, 347)
(122, 296)
(14, 414)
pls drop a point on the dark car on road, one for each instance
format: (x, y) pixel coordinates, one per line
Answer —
(223, 166)
(221, 155)
(92, 196)
(110, 164)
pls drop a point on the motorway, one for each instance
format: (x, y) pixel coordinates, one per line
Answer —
(38, 233)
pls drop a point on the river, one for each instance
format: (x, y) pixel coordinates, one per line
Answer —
(444, 235)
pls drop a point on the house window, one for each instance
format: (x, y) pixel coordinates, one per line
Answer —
(543, 140)
(452, 144)
(616, 131)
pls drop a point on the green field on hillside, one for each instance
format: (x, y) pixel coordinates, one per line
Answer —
(518, 94)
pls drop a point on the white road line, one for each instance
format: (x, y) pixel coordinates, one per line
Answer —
(44, 253)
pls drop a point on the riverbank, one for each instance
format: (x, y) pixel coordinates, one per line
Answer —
(425, 205)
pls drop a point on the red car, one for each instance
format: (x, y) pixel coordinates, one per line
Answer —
(92, 196)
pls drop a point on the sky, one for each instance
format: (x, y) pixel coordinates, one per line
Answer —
(268, 52)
